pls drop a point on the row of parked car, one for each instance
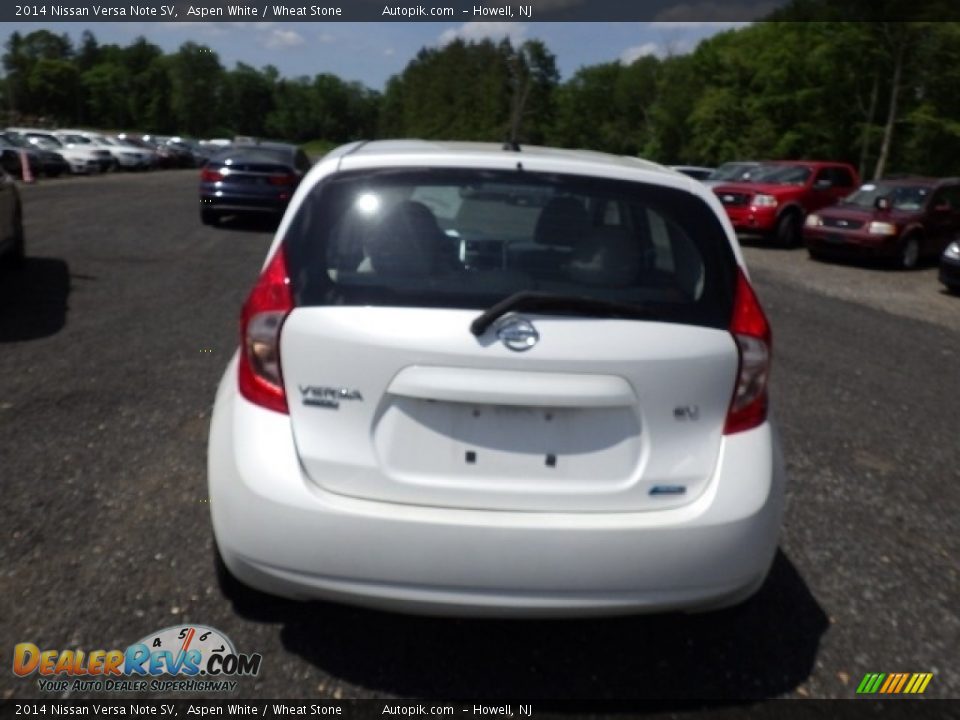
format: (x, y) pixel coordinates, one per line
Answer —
(39, 152)
(824, 205)
(51, 153)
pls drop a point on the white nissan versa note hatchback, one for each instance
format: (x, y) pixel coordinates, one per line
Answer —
(476, 379)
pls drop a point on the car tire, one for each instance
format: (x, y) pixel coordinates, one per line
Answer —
(209, 217)
(788, 232)
(909, 254)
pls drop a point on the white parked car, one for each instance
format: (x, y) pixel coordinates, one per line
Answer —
(123, 156)
(82, 159)
(475, 380)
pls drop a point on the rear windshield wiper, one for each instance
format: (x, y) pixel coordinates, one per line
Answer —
(529, 300)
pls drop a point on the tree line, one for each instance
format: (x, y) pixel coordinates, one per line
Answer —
(881, 95)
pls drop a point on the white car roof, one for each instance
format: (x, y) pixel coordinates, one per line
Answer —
(436, 149)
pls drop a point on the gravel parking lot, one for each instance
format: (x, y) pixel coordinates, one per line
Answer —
(114, 335)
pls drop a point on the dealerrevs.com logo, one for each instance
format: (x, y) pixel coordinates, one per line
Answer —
(181, 658)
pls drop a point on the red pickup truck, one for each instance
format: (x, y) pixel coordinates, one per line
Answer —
(774, 203)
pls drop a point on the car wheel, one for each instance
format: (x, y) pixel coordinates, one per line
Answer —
(909, 252)
(209, 217)
(787, 232)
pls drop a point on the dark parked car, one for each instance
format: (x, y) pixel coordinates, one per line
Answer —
(950, 267)
(902, 220)
(11, 221)
(177, 154)
(199, 154)
(257, 178)
(45, 162)
(10, 159)
(694, 171)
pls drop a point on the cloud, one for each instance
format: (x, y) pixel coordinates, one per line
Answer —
(710, 13)
(679, 46)
(326, 38)
(278, 38)
(473, 31)
(389, 52)
(215, 28)
(632, 54)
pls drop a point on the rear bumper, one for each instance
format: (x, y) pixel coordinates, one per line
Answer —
(950, 273)
(233, 202)
(830, 241)
(281, 534)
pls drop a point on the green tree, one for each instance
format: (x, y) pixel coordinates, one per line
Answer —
(248, 100)
(107, 89)
(196, 78)
(53, 84)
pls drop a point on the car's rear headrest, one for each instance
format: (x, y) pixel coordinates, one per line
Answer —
(607, 257)
(563, 222)
(407, 241)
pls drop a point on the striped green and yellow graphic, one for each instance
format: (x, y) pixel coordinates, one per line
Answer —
(894, 683)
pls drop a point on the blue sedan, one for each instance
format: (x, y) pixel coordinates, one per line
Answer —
(250, 178)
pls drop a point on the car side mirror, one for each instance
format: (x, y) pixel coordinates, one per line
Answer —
(822, 184)
(882, 203)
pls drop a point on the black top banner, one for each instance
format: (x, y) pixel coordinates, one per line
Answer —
(666, 11)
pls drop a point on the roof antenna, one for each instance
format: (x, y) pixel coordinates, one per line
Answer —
(511, 145)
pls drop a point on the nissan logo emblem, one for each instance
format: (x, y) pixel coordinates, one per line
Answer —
(518, 334)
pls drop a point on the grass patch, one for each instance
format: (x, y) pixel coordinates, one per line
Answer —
(318, 148)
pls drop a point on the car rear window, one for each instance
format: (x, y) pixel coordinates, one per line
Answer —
(254, 154)
(902, 197)
(469, 238)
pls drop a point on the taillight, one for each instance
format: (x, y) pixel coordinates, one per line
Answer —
(751, 331)
(210, 175)
(262, 318)
(283, 179)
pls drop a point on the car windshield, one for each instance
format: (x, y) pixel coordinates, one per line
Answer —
(45, 141)
(76, 139)
(902, 197)
(468, 239)
(732, 171)
(255, 154)
(781, 174)
(14, 141)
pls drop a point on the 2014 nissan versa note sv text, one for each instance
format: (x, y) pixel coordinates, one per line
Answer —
(477, 380)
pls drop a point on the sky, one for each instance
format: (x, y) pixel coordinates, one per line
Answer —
(372, 52)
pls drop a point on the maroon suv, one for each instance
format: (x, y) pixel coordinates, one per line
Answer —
(902, 220)
(779, 195)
